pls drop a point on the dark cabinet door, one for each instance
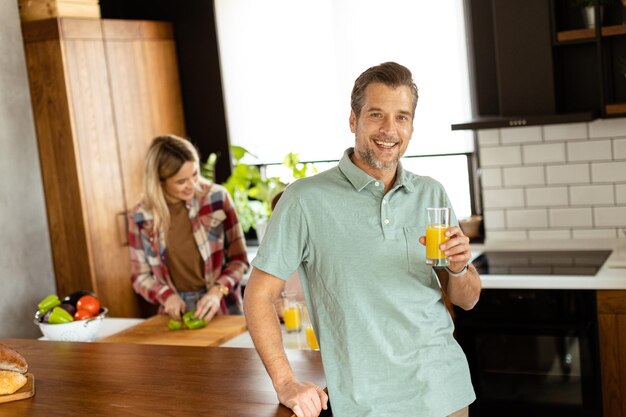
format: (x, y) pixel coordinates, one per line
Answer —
(524, 57)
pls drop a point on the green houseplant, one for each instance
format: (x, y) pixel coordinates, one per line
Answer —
(251, 190)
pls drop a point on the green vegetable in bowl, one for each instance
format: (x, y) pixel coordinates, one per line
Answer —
(48, 303)
(59, 316)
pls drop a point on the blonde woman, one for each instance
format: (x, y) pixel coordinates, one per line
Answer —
(187, 247)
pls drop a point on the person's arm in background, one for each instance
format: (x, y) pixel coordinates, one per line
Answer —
(234, 258)
(236, 255)
(304, 398)
(143, 280)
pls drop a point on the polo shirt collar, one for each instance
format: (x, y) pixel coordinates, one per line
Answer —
(359, 179)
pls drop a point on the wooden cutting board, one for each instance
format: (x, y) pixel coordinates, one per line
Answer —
(26, 391)
(154, 331)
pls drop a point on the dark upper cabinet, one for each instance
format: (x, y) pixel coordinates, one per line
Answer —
(534, 62)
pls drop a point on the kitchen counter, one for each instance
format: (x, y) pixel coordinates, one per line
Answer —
(112, 379)
(612, 275)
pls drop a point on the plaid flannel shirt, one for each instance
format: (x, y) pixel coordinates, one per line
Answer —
(220, 240)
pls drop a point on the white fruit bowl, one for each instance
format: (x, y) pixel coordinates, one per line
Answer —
(75, 331)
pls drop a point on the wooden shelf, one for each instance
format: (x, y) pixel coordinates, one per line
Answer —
(589, 33)
(614, 30)
(575, 35)
(616, 108)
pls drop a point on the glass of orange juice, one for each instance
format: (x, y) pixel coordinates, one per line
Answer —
(438, 221)
(292, 312)
(311, 340)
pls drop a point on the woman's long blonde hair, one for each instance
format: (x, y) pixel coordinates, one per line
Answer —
(165, 157)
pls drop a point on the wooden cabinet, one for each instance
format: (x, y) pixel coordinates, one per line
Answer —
(532, 62)
(101, 90)
(612, 336)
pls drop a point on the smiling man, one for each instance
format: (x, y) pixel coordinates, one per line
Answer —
(354, 233)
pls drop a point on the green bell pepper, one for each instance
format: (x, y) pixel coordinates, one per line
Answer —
(174, 325)
(47, 303)
(59, 316)
(192, 322)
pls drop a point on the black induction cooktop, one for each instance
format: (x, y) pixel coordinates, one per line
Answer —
(565, 262)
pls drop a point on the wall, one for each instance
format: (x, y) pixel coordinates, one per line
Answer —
(26, 273)
(564, 181)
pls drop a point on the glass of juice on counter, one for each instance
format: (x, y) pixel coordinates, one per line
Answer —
(438, 221)
(311, 340)
(292, 312)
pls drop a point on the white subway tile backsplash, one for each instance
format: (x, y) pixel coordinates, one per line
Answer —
(594, 233)
(619, 149)
(524, 176)
(488, 137)
(548, 152)
(491, 177)
(570, 217)
(527, 218)
(547, 197)
(552, 234)
(608, 171)
(563, 181)
(568, 174)
(506, 235)
(513, 135)
(504, 198)
(565, 131)
(620, 193)
(610, 216)
(500, 156)
(591, 194)
(494, 218)
(607, 128)
(592, 150)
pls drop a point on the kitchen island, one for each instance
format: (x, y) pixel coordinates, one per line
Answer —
(572, 317)
(113, 379)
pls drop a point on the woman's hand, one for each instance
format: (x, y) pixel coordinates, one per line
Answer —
(209, 304)
(174, 306)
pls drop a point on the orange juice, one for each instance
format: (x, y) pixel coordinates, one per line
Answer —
(311, 340)
(435, 236)
(291, 316)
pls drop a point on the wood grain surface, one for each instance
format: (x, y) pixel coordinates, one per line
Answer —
(612, 341)
(154, 331)
(110, 379)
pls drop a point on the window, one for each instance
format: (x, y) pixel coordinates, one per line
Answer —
(288, 68)
(452, 171)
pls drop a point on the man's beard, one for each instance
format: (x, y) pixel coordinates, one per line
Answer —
(367, 156)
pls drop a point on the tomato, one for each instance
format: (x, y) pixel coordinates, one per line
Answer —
(89, 303)
(82, 315)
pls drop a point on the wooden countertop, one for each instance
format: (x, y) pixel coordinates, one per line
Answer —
(154, 331)
(80, 379)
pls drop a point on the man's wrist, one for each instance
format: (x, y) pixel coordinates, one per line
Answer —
(457, 273)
